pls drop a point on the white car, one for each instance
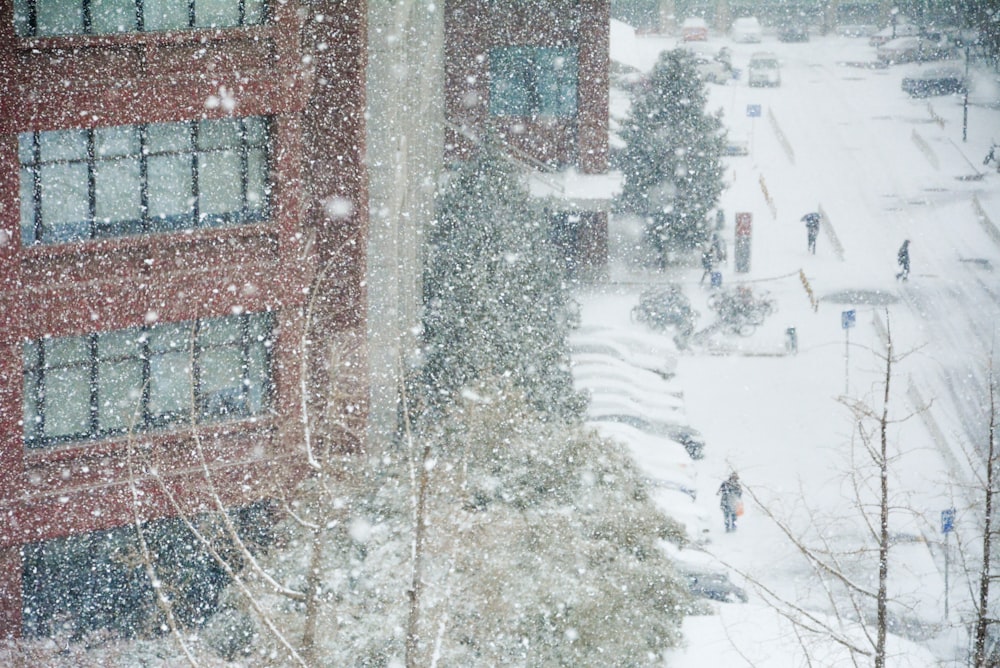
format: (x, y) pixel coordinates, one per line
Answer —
(764, 70)
(746, 29)
(902, 29)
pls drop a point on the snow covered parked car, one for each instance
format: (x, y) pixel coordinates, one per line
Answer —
(889, 33)
(916, 49)
(746, 29)
(944, 80)
(694, 29)
(764, 70)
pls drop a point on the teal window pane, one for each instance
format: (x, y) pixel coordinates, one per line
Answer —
(26, 148)
(221, 382)
(219, 134)
(259, 379)
(118, 190)
(220, 331)
(255, 129)
(511, 74)
(120, 344)
(209, 13)
(171, 337)
(32, 417)
(66, 351)
(63, 145)
(170, 386)
(67, 401)
(220, 182)
(168, 137)
(21, 25)
(112, 16)
(557, 82)
(533, 81)
(170, 182)
(119, 394)
(158, 15)
(256, 180)
(65, 202)
(117, 141)
(27, 207)
(59, 17)
(253, 12)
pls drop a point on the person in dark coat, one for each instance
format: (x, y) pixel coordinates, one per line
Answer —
(707, 262)
(812, 229)
(903, 259)
(730, 493)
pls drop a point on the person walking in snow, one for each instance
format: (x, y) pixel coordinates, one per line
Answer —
(812, 229)
(707, 263)
(903, 260)
(730, 495)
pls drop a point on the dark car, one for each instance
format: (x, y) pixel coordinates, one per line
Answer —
(793, 32)
(713, 585)
(935, 81)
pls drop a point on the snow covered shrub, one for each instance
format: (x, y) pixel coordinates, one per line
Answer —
(671, 161)
(540, 548)
(494, 289)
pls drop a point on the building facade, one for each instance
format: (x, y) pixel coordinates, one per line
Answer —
(536, 74)
(183, 214)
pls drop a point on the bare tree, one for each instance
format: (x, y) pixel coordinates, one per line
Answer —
(986, 576)
(840, 573)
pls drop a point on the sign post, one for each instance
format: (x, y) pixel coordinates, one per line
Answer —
(847, 320)
(947, 526)
(753, 111)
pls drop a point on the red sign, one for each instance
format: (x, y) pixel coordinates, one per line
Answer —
(744, 223)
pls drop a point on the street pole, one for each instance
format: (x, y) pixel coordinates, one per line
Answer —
(965, 99)
(946, 569)
(847, 353)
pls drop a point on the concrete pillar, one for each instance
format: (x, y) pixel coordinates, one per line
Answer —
(405, 138)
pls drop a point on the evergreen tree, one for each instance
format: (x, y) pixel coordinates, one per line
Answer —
(672, 165)
(494, 292)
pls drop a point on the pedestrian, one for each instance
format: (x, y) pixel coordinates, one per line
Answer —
(720, 219)
(730, 500)
(992, 157)
(812, 229)
(707, 263)
(718, 248)
(903, 260)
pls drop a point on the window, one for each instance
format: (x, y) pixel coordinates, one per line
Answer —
(110, 383)
(80, 584)
(140, 179)
(43, 18)
(527, 81)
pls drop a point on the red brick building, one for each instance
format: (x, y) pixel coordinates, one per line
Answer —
(179, 183)
(536, 72)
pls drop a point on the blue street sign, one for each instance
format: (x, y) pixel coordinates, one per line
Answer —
(753, 110)
(947, 520)
(847, 319)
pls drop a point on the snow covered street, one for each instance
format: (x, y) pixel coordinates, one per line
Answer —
(881, 167)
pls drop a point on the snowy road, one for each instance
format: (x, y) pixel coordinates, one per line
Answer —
(882, 167)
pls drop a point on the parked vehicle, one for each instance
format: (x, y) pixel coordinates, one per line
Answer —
(711, 70)
(793, 31)
(712, 584)
(889, 33)
(746, 29)
(916, 49)
(944, 80)
(694, 29)
(688, 437)
(764, 70)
